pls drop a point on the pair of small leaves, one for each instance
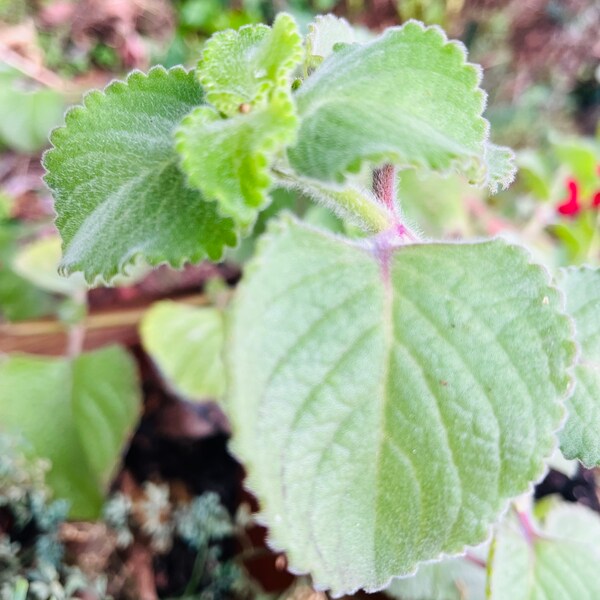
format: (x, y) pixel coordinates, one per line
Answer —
(77, 413)
(388, 404)
(247, 78)
(407, 97)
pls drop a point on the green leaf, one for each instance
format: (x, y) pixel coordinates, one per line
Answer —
(535, 173)
(38, 262)
(501, 167)
(76, 413)
(186, 343)
(229, 159)
(408, 98)
(244, 67)
(27, 116)
(450, 579)
(120, 196)
(323, 34)
(560, 563)
(388, 402)
(19, 299)
(580, 437)
(581, 157)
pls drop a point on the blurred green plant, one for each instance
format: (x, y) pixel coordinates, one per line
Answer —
(31, 554)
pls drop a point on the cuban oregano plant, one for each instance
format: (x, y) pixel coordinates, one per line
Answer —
(389, 395)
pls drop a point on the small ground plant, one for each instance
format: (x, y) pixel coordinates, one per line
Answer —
(389, 395)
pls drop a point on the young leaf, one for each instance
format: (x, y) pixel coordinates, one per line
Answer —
(501, 167)
(580, 437)
(186, 343)
(119, 193)
(388, 403)
(76, 413)
(323, 34)
(560, 563)
(228, 159)
(408, 97)
(244, 67)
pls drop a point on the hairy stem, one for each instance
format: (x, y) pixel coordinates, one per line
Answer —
(350, 202)
(384, 185)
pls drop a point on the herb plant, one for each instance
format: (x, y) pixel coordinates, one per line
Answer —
(389, 395)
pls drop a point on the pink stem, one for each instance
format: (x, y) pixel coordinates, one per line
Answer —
(384, 185)
(527, 526)
(475, 560)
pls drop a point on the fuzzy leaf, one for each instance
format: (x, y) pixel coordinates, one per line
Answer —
(323, 34)
(119, 193)
(186, 344)
(76, 413)
(246, 66)
(580, 437)
(501, 167)
(386, 410)
(408, 97)
(228, 159)
(561, 563)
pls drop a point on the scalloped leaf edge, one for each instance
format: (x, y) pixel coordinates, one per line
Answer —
(125, 266)
(476, 163)
(281, 225)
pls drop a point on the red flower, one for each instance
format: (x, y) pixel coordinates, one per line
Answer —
(571, 206)
(596, 200)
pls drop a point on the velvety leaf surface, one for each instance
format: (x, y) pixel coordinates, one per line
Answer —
(387, 408)
(186, 343)
(244, 67)
(76, 413)
(561, 563)
(323, 34)
(501, 167)
(228, 159)
(408, 97)
(120, 195)
(580, 437)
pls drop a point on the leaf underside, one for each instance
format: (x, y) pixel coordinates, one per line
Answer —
(409, 97)
(386, 419)
(120, 196)
(580, 437)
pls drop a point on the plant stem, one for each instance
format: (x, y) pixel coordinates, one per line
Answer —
(197, 570)
(348, 201)
(75, 339)
(384, 185)
(525, 521)
(475, 560)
